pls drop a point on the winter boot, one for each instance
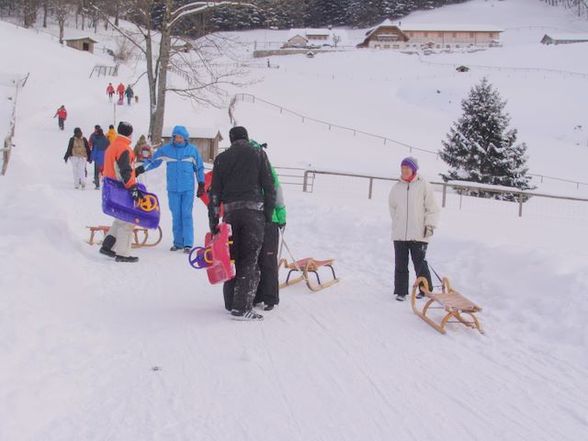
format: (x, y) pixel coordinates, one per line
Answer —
(130, 259)
(187, 250)
(175, 248)
(245, 315)
(268, 307)
(107, 245)
(401, 297)
(420, 295)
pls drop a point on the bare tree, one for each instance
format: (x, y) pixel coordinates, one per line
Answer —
(156, 20)
(60, 9)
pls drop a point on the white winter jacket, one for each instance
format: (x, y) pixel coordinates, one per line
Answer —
(412, 207)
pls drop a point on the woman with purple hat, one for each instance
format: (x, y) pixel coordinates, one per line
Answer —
(415, 214)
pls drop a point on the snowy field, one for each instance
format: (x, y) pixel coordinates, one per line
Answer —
(93, 350)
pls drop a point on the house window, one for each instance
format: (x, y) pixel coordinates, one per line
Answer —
(86, 46)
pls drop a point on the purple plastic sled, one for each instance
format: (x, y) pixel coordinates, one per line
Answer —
(117, 202)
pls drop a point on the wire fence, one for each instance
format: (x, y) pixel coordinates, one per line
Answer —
(461, 190)
(16, 84)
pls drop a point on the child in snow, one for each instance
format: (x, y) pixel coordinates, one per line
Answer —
(111, 134)
(61, 115)
(183, 162)
(99, 145)
(78, 152)
(119, 162)
(110, 91)
(242, 182)
(142, 150)
(415, 214)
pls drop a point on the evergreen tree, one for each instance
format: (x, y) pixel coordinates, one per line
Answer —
(481, 148)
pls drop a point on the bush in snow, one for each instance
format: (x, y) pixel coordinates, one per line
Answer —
(481, 148)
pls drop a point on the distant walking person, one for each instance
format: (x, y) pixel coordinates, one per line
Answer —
(130, 94)
(61, 115)
(78, 153)
(110, 91)
(99, 145)
(120, 89)
(415, 215)
(111, 134)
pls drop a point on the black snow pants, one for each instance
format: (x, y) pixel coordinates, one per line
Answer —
(248, 230)
(268, 290)
(418, 251)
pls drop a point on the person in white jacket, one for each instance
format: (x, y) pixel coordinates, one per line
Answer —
(415, 215)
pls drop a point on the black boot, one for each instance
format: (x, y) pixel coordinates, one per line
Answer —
(107, 245)
(130, 259)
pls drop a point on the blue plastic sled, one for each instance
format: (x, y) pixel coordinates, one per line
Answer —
(118, 203)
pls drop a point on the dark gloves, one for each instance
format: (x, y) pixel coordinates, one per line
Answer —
(139, 170)
(136, 194)
(200, 190)
(65, 158)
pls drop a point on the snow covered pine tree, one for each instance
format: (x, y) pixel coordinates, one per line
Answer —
(481, 148)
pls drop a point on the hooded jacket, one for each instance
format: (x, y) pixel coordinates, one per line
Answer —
(412, 207)
(183, 161)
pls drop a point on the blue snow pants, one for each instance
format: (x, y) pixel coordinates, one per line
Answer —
(181, 204)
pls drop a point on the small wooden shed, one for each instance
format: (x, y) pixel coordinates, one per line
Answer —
(206, 139)
(85, 44)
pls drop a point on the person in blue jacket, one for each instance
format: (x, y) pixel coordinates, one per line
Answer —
(183, 162)
(99, 145)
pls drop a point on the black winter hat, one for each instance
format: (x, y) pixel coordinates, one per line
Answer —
(125, 128)
(238, 132)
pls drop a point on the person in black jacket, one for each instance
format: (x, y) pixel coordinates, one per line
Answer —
(242, 181)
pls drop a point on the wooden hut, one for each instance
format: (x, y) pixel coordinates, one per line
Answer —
(85, 44)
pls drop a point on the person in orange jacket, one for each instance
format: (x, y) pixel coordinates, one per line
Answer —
(119, 162)
(110, 91)
(61, 115)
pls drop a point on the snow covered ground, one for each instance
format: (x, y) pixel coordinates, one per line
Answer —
(94, 350)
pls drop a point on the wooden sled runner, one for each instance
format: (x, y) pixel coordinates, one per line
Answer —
(305, 266)
(140, 236)
(452, 302)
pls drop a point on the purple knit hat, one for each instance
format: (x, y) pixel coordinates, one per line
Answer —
(410, 162)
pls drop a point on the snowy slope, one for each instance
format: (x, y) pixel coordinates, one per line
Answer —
(94, 350)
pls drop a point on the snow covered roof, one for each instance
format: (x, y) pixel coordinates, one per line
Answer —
(567, 37)
(72, 36)
(306, 32)
(195, 132)
(438, 27)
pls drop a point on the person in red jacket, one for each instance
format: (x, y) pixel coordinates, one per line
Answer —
(119, 162)
(61, 115)
(120, 89)
(110, 91)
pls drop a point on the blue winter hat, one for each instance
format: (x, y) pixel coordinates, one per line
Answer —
(410, 162)
(182, 131)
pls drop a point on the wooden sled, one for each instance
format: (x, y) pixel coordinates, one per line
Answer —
(140, 236)
(305, 266)
(454, 304)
